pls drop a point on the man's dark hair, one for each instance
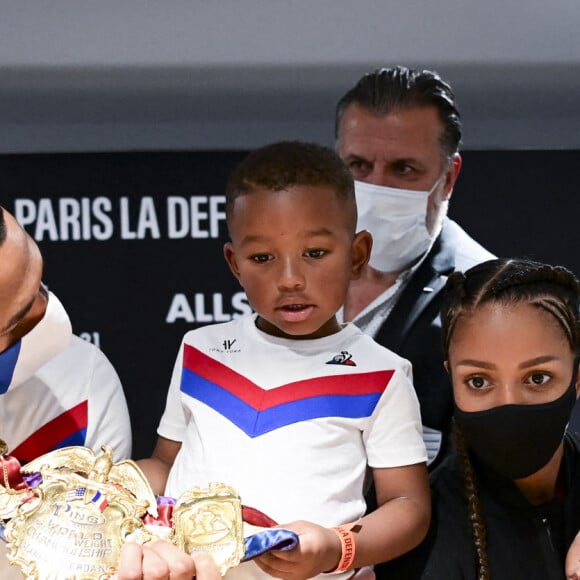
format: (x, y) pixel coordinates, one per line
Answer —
(282, 165)
(2, 226)
(388, 89)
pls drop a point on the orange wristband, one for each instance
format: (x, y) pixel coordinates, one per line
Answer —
(348, 547)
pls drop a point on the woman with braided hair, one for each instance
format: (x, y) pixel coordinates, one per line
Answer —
(506, 504)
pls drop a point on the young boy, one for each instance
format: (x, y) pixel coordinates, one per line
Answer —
(287, 406)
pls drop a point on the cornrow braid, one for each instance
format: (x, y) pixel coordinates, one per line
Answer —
(473, 504)
(552, 288)
(451, 305)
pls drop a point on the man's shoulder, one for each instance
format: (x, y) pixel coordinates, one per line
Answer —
(453, 250)
(467, 252)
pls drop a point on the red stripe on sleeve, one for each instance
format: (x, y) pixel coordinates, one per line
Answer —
(52, 433)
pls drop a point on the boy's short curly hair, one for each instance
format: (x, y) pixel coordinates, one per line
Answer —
(288, 163)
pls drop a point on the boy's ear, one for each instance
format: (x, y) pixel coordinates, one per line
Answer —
(446, 365)
(361, 252)
(230, 257)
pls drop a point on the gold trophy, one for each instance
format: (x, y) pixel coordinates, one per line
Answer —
(210, 520)
(72, 525)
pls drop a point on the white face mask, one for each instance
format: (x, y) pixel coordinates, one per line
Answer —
(48, 338)
(397, 220)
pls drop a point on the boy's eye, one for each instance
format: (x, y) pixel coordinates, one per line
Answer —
(476, 382)
(261, 258)
(315, 253)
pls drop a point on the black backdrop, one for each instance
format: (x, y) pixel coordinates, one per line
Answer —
(133, 243)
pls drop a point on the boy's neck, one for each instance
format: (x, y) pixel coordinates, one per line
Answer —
(330, 327)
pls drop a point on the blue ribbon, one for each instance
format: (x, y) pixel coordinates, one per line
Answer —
(269, 539)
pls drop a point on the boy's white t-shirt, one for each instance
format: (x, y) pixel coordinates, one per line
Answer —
(286, 425)
(290, 424)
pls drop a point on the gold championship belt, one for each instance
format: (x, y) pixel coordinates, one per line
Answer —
(210, 520)
(73, 524)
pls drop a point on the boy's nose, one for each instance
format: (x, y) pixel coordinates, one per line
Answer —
(290, 276)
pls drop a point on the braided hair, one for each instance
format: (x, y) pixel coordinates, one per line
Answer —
(474, 508)
(553, 289)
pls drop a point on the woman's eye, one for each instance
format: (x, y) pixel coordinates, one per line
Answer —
(539, 378)
(260, 258)
(476, 382)
(315, 253)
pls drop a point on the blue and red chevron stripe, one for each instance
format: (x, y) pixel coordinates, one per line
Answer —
(69, 428)
(257, 411)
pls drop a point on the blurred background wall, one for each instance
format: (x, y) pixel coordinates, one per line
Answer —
(223, 74)
(121, 120)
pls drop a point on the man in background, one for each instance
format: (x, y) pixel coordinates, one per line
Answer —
(56, 389)
(398, 130)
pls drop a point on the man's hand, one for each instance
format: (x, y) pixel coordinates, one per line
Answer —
(161, 560)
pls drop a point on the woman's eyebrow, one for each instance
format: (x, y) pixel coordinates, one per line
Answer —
(538, 360)
(471, 362)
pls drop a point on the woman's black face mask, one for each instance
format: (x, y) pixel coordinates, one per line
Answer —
(518, 440)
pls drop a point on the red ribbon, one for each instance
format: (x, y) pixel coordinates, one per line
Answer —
(249, 514)
(10, 476)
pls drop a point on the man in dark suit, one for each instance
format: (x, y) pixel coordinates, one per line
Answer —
(398, 130)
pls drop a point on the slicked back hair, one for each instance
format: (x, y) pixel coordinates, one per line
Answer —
(387, 90)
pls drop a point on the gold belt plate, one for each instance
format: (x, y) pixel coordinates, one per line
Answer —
(72, 526)
(210, 520)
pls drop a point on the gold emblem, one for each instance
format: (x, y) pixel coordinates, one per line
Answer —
(210, 520)
(73, 524)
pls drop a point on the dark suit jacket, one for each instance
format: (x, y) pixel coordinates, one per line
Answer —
(413, 328)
